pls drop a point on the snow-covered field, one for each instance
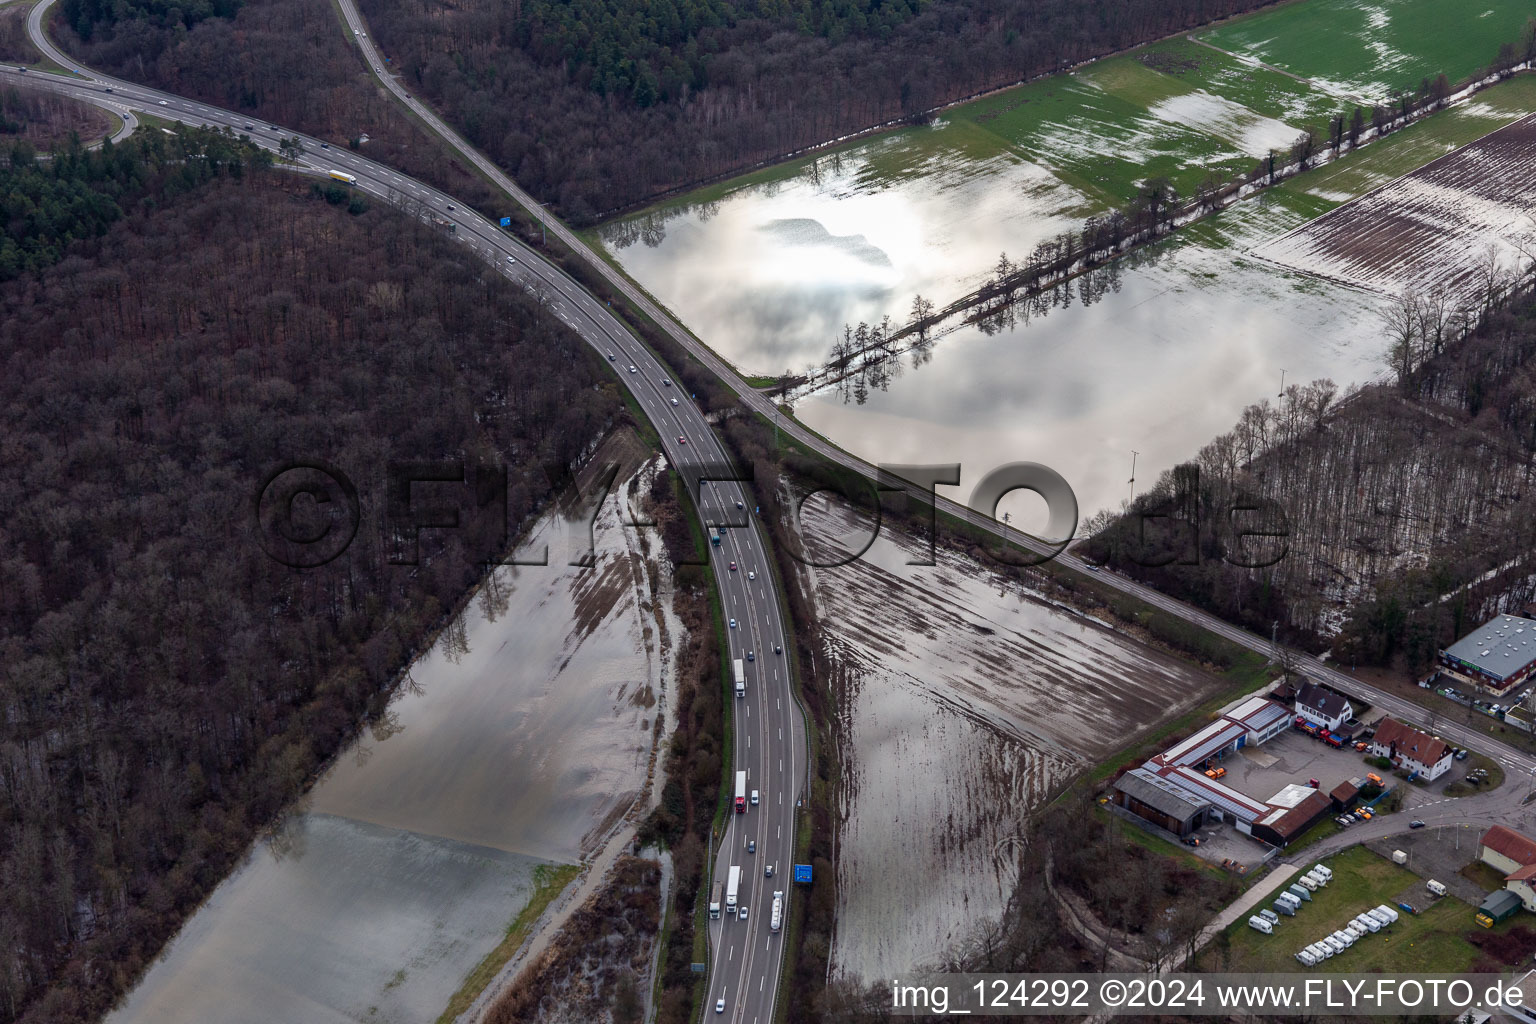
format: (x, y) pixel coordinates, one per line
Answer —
(1435, 228)
(1251, 133)
(963, 702)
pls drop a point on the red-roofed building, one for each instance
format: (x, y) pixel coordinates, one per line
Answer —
(1408, 748)
(1508, 851)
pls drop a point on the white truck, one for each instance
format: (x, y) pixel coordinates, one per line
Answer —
(714, 899)
(741, 792)
(732, 887)
(741, 677)
(776, 915)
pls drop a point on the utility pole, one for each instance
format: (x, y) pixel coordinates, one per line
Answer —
(1282, 385)
(1005, 529)
(1132, 481)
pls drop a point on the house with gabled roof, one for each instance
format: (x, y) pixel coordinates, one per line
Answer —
(1411, 750)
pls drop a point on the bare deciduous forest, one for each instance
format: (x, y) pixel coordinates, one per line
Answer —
(284, 61)
(595, 108)
(44, 120)
(1407, 507)
(167, 687)
(718, 88)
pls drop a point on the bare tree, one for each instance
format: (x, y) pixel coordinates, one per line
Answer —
(1400, 323)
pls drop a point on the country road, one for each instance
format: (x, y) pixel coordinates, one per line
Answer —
(769, 730)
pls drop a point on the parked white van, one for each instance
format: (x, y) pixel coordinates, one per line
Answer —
(1435, 887)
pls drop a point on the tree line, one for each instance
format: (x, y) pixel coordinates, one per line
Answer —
(863, 357)
(1403, 509)
(595, 109)
(168, 687)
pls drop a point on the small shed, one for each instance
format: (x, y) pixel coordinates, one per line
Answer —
(1499, 905)
(1345, 795)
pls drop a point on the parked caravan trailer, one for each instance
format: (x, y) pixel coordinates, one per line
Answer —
(1324, 870)
(1285, 907)
(1290, 898)
(1345, 937)
(1334, 944)
(1399, 857)
(1321, 880)
(1356, 929)
(1438, 888)
(1378, 917)
(1391, 915)
(1321, 950)
(1307, 959)
(1368, 922)
(1307, 883)
(1258, 924)
(1300, 893)
(1270, 916)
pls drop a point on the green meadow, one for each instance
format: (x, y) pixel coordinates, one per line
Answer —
(1372, 47)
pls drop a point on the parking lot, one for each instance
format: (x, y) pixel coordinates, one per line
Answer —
(1293, 756)
(1438, 853)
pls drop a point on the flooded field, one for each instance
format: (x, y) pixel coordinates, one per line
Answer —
(1434, 229)
(962, 702)
(520, 739)
(1164, 358)
(1157, 355)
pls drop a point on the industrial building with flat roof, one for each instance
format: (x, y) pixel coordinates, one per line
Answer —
(1171, 791)
(1496, 656)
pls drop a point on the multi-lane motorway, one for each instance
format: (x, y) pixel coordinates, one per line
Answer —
(769, 739)
(760, 403)
(769, 731)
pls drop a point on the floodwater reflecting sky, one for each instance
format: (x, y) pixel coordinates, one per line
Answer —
(1166, 358)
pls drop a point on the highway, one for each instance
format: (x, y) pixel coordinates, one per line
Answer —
(769, 739)
(760, 403)
(769, 731)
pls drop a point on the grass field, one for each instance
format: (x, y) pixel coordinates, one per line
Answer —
(549, 880)
(1432, 940)
(1371, 47)
(1174, 110)
(1401, 152)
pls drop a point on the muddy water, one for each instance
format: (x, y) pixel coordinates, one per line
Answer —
(962, 700)
(523, 735)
